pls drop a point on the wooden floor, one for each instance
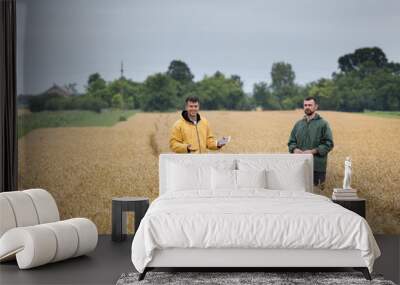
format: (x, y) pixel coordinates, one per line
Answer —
(111, 259)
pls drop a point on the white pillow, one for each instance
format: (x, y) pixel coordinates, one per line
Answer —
(223, 179)
(293, 180)
(183, 177)
(251, 178)
(282, 174)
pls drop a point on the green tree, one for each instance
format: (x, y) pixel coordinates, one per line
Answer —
(118, 101)
(129, 90)
(347, 90)
(366, 80)
(282, 75)
(370, 58)
(283, 85)
(130, 103)
(159, 93)
(95, 82)
(386, 93)
(264, 98)
(322, 90)
(180, 71)
(97, 88)
(237, 79)
(218, 92)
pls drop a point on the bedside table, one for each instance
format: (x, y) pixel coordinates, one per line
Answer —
(120, 206)
(357, 205)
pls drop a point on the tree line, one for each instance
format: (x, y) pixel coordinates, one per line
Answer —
(365, 79)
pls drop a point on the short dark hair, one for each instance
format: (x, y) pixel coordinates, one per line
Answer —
(311, 98)
(193, 99)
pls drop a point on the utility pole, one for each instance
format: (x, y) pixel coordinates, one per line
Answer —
(122, 69)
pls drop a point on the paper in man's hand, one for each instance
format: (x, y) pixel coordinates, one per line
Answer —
(224, 141)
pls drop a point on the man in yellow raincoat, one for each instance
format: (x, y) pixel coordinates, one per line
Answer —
(192, 133)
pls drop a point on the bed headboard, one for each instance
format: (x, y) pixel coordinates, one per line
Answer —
(208, 159)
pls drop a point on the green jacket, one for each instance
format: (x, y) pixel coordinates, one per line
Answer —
(313, 134)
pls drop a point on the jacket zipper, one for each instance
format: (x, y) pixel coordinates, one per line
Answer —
(198, 139)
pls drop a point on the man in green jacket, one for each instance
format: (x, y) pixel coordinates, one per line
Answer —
(312, 134)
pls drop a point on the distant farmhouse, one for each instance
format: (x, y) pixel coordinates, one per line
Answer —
(58, 90)
(54, 90)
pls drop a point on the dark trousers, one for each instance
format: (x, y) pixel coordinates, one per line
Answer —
(319, 179)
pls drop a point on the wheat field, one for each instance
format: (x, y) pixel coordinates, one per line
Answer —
(84, 167)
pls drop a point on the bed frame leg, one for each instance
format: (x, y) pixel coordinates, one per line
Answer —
(364, 271)
(143, 274)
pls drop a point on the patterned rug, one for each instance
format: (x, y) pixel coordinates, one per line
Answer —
(225, 278)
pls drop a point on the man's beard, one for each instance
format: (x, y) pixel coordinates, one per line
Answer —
(308, 112)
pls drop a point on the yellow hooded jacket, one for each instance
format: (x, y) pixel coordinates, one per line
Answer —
(199, 136)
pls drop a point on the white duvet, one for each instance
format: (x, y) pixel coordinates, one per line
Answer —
(250, 219)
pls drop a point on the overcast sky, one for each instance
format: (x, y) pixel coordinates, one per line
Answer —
(63, 41)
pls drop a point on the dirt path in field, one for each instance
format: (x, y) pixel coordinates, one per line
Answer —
(84, 167)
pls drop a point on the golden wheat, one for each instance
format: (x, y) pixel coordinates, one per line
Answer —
(85, 167)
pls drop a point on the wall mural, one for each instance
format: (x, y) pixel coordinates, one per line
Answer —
(102, 84)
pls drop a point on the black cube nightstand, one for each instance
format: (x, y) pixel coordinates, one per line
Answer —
(357, 205)
(120, 206)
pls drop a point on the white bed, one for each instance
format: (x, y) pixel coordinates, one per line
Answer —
(203, 220)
